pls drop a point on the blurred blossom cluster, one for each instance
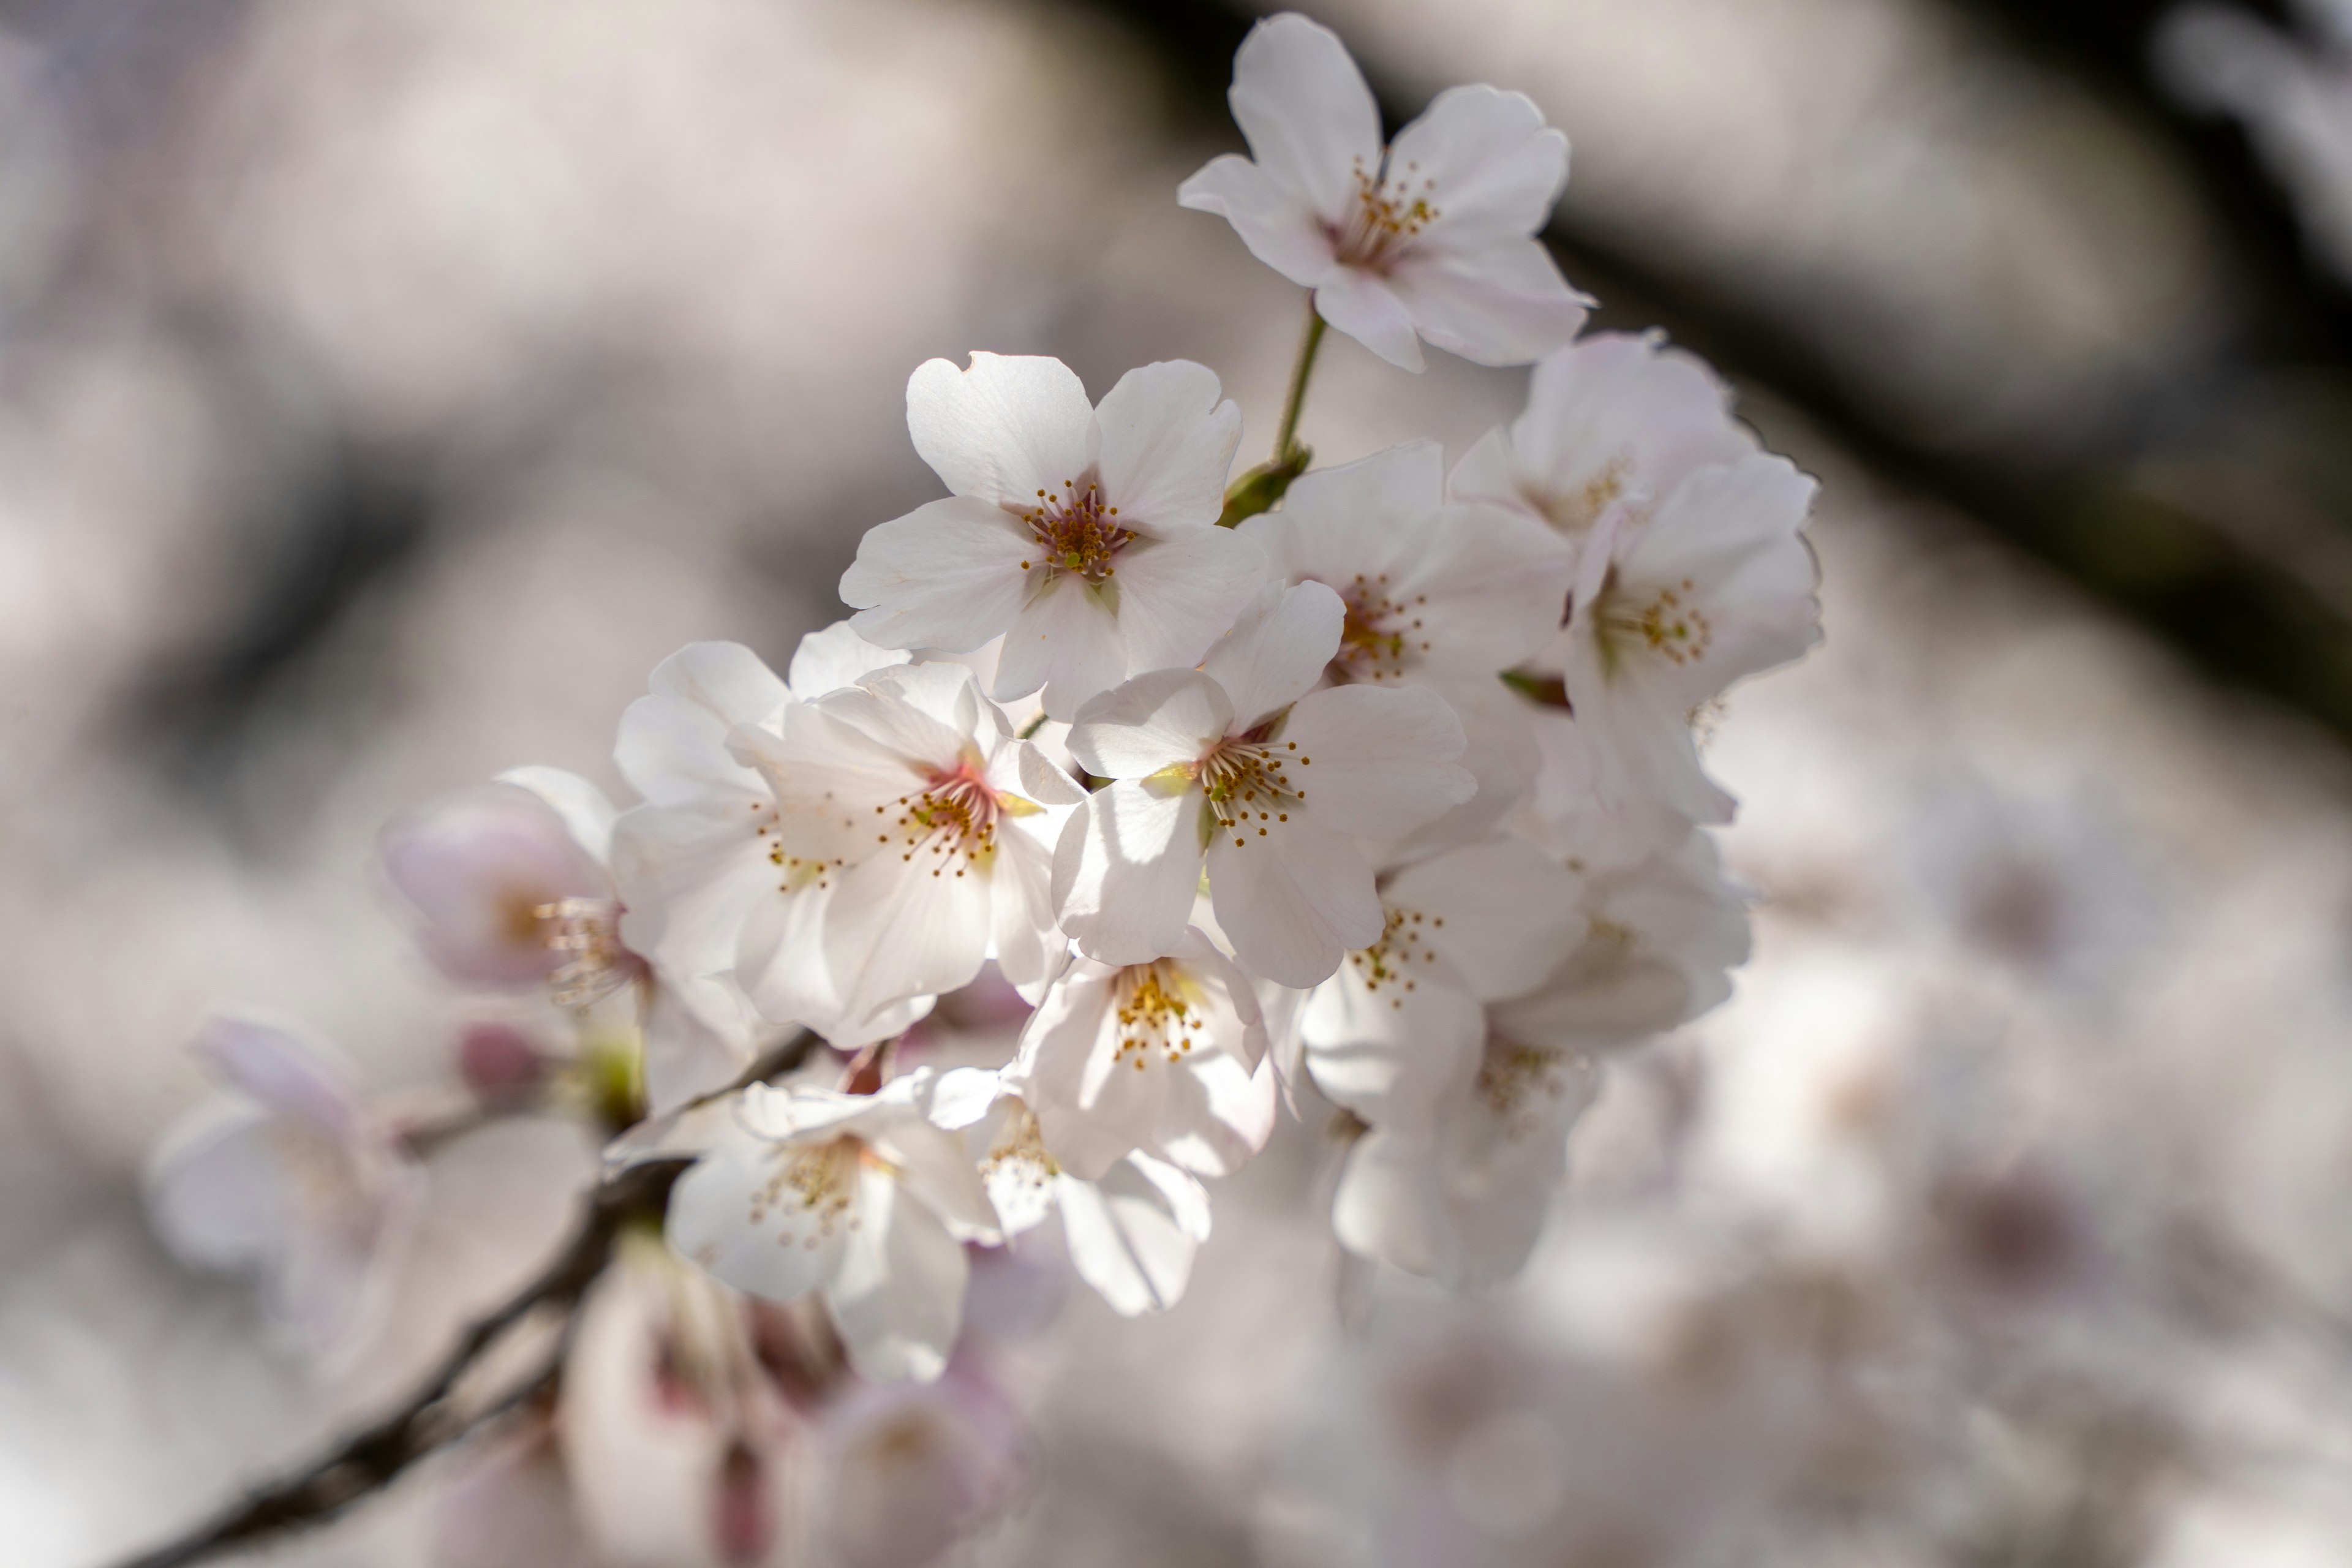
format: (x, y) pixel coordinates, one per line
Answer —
(1224, 1014)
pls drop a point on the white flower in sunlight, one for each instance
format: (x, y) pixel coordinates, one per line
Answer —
(697, 863)
(1085, 536)
(1673, 605)
(1616, 420)
(1481, 923)
(859, 1197)
(908, 797)
(1216, 762)
(1163, 1056)
(1430, 591)
(1432, 236)
(1132, 1229)
(679, 1443)
(302, 1188)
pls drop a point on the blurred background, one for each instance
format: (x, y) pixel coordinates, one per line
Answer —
(386, 386)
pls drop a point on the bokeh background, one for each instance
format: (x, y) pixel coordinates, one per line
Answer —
(386, 386)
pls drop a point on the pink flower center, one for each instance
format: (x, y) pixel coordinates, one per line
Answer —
(1381, 636)
(1076, 531)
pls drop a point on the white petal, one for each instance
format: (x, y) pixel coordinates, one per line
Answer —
(1216, 1115)
(731, 1216)
(830, 659)
(897, 1296)
(689, 877)
(1133, 1236)
(1504, 303)
(1023, 937)
(1387, 1053)
(899, 929)
(1303, 105)
(673, 742)
(1278, 226)
(1377, 762)
(1729, 535)
(1616, 413)
(1276, 650)
(687, 1054)
(1004, 429)
(1163, 720)
(1487, 161)
(1501, 913)
(1367, 310)
(1125, 869)
(1166, 443)
(1091, 1104)
(945, 575)
(1387, 1205)
(1066, 639)
(282, 1066)
(932, 1166)
(586, 814)
(216, 1198)
(1177, 593)
(1293, 903)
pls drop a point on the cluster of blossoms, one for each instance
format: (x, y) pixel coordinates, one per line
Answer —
(1376, 783)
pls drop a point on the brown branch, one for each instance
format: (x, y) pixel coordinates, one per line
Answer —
(432, 1417)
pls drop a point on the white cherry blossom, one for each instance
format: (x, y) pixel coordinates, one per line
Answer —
(910, 1469)
(1613, 421)
(1671, 607)
(1455, 1184)
(1240, 763)
(696, 861)
(908, 803)
(1132, 1229)
(1429, 237)
(300, 1187)
(1480, 923)
(1162, 1057)
(1431, 592)
(1085, 537)
(859, 1197)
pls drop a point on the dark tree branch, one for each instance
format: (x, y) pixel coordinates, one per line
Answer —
(433, 1417)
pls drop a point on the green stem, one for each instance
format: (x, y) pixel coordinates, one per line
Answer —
(1286, 440)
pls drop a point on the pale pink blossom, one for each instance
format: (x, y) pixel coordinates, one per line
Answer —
(1431, 236)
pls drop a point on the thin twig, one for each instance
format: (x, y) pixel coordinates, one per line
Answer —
(430, 1419)
(1285, 438)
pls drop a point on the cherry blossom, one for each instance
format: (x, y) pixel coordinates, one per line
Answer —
(858, 1197)
(1431, 236)
(1084, 536)
(1671, 607)
(1615, 420)
(300, 1187)
(908, 797)
(1481, 923)
(1430, 592)
(1216, 763)
(1132, 1229)
(1162, 1057)
(696, 862)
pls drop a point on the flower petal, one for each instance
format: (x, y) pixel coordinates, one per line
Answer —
(897, 1296)
(945, 575)
(1302, 103)
(1294, 903)
(1004, 429)
(1377, 762)
(730, 1216)
(900, 928)
(1125, 869)
(830, 659)
(1177, 593)
(1166, 719)
(1165, 445)
(1276, 650)
(672, 742)
(1487, 161)
(1066, 639)
(1133, 1236)
(1502, 914)
(1504, 303)
(1278, 226)
(1364, 307)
